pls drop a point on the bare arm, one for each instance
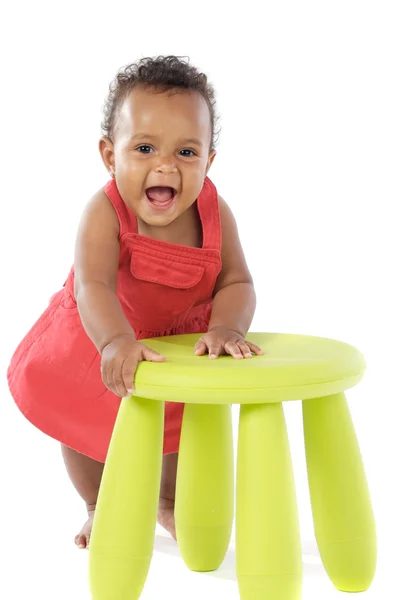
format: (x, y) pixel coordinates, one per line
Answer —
(234, 296)
(234, 299)
(96, 266)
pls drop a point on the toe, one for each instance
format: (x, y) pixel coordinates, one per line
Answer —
(81, 542)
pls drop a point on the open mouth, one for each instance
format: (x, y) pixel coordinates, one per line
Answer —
(161, 197)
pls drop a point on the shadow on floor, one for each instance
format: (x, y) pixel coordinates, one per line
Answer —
(311, 566)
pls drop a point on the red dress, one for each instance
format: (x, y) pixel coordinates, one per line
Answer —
(164, 289)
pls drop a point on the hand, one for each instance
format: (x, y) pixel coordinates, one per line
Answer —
(220, 340)
(119, 363)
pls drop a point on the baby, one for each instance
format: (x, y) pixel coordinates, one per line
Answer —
(157, 253)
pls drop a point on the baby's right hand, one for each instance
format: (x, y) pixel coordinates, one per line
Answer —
(119, 363)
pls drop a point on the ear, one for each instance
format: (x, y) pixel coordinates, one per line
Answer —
(212, 156)
(107, 154)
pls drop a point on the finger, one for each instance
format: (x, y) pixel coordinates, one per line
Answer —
(233, 349)
(244, 348)
(118, 384)
(106, 372)
(128, 371)
(214, 350)
(254, 348)
(152, 355)
(200, 347)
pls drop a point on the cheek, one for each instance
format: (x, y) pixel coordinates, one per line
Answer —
(193, 184)
(133, 171)
(196, 171)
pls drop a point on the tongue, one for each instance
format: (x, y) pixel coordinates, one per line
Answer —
(160, 194)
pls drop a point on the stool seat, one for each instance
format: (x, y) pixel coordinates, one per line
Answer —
(293, 367)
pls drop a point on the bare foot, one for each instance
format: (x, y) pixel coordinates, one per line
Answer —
(165, 519)
(82, 540)
(166, 516)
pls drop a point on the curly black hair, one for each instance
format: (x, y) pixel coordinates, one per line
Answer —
(162, 73)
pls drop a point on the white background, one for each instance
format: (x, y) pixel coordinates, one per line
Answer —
(307, 160)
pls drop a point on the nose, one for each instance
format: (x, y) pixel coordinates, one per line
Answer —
(166, 166)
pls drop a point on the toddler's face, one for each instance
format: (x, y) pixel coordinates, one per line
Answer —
(160, 152)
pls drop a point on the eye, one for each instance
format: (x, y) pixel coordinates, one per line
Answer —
(187, 150)
(144, 149)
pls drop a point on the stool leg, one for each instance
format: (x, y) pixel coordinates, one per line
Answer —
(123, 532)
(204, 504)
(341, 506)
(268, 549)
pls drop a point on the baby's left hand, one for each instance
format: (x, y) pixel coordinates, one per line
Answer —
(220, 340)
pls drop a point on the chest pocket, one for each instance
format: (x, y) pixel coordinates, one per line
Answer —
(168, 271)
(165, 287)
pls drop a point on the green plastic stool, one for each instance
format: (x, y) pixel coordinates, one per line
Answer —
(268, 550)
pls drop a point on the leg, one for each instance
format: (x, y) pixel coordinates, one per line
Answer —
(341, 506)
(268, 551)
(167, 493)
(205, 484)
(125, 519)
(85, 474)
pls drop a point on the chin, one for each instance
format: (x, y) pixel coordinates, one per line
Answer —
(158, 220)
